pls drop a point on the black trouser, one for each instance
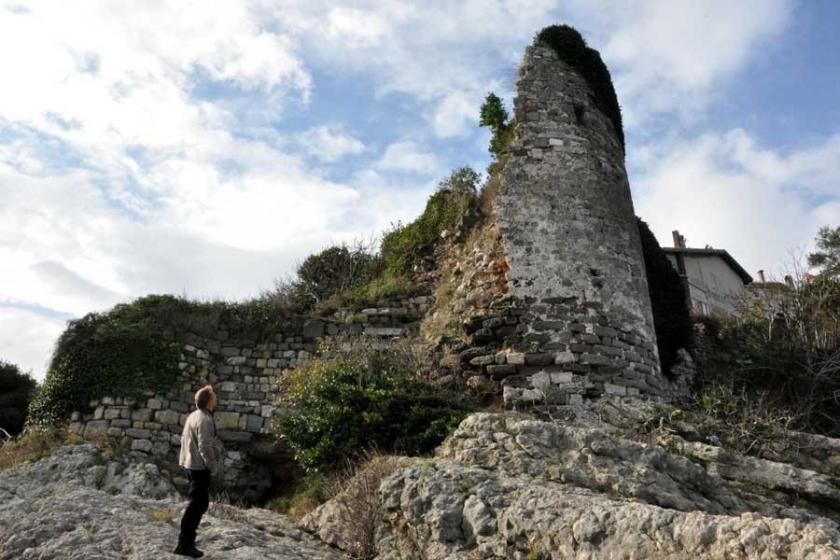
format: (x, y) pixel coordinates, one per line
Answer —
(199, 495)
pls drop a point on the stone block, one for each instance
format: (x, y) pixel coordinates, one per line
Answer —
(266, 411)
(138, 433)
(564, 357)
(485, 360)
(108, 401)
(121, 423)
(516, 358)
(154, 404)
(142, 445)
(228, 386)
(612, 389)
(253, 423)
(595, 359)
(313, 329)
(111, 413)
(562, 377)
(383, 331)
(235, 436)
(575, 400)
(501, 371)
(167, 417)
(227, 420)
(539, 359)
(141, 414)
(541, 380)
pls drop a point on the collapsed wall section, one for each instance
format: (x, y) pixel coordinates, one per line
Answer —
(572, 245)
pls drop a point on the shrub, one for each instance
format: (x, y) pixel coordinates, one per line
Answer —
(16, 390)
(495, 116)
(782, 378)
(358, 506)
(334, 270)
(407, 246)
(570, 46)
(671, 317)
(363, 398)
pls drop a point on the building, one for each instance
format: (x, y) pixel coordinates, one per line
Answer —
(715, 282)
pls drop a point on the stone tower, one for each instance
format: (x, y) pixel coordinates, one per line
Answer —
(572, 243)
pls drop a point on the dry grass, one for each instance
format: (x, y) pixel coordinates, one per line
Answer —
(34, 445)
(162, 516)
(356, 497)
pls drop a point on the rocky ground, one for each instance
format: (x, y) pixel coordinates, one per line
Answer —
(504, 486)
(80, 504)
(512, 486)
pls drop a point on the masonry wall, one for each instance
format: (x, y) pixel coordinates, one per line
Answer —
(576, 269)
(245, 373)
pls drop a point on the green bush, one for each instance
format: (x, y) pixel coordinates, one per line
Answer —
(335, 270)
(570, 46)
(406, 246)
(16, 390)
(135, 347)
(671, 317)
(359, 400)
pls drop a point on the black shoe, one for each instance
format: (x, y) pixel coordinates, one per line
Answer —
(190, 551)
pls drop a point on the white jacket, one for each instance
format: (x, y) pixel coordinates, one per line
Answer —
(200, 448)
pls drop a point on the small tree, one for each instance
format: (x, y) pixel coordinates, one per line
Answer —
(462, 180)
(16, 390)
(827, 257)
(334, 270)
(494, 115)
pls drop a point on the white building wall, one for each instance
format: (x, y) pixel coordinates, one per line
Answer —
(714, 287)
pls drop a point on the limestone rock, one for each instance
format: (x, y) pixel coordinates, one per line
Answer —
(508, 485)
(78, 505)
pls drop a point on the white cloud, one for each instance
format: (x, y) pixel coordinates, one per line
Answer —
(456, 115)
(725, 191)
(409, 156)
(27, 338)
(330, 143)
(668, 55)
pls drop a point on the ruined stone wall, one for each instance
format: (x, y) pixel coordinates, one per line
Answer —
(572, 245)
(245, 374)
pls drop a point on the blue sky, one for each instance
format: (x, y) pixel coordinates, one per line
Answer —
(205, 148)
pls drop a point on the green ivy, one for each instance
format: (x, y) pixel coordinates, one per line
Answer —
(671, 317)
(570, 46)
(136, 347)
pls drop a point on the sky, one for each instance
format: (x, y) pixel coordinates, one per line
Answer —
(205, 148)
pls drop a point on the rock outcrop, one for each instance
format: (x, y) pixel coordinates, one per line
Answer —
(509, 485)
(79, 504)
